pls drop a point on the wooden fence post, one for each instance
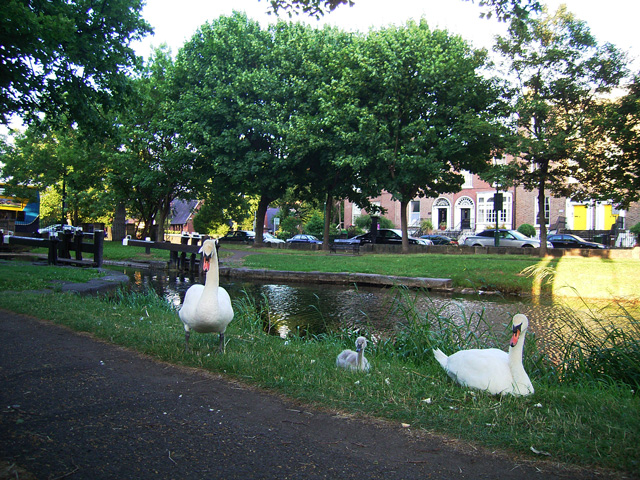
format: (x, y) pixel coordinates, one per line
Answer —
(77, 244)
(53, 251)
(98, 246)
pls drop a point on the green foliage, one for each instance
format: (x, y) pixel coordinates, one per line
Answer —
(63, 57)
(527, 229)
(400, 122)
(213, 215)
(153, 165)
(289, 226)
(426, 226)
(315, 225)
(558, 63)
(50, 206)
(363, 222)
(602, 347)
(233, 108)
(636, 230)
(61, 161)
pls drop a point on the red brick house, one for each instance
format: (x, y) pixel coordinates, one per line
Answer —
(471, 210)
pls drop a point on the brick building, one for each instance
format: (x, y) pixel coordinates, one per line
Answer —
(471, 210)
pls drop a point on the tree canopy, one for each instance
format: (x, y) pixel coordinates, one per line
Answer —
(419, 112)
(63, 57)
(609, 161)
(252, 115)
(562, 76)
(503, 10)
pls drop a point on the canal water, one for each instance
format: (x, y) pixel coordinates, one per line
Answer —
(315, 308)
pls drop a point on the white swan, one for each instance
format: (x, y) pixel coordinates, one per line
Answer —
(491, 369)
(207, 308)
(354, 360)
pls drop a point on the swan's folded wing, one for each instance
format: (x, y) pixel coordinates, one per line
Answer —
(486, 369)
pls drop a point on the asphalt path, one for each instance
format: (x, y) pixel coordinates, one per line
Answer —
(75, 407)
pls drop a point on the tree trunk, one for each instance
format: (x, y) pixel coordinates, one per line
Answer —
(404, 225)
(541, 219)
(119, 227)
(263, 205)
(327, 222)
(163, 214)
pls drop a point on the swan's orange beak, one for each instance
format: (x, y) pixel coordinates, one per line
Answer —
(206, 263)
(516, 335)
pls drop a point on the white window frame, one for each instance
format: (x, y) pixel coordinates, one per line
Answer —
(486, 215)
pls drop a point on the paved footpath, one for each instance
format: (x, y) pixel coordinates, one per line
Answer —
(77, 408)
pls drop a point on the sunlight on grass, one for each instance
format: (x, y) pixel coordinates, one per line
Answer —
(597, 278)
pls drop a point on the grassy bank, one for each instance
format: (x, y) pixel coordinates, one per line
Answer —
(577, 415)
(22, 276)
(587, 277)
(583, 277)
(585, 411)
(570, 276)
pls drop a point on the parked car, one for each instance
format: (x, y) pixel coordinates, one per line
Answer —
(508, 238)
(268, 238)
(572, 241)
(51, 229)
(440, 239)
(389, 236)
(243, 236)
(303, 238)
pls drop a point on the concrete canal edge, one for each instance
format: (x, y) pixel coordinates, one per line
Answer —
(339, 278)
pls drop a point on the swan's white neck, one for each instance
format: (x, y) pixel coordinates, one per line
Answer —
(515, 361)
(212, 281)
(359, 358)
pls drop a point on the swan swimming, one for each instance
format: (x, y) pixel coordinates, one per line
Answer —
(491, 369)
(354, 360)
(207, 308)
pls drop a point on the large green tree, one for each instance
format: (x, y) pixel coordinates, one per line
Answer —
(65, 160)
(232, 103)
(609, 160)
(64, 57)
(421, 112)
(152, 166)
(314, 63)
(562, 75)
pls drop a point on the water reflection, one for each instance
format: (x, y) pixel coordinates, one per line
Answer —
(316, 308)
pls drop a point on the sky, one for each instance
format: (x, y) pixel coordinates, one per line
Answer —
(174, 22)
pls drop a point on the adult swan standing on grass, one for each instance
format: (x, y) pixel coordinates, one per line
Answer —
(207, 308)
(354, 360)
(491, 369)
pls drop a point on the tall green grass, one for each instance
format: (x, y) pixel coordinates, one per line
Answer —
(582, 412)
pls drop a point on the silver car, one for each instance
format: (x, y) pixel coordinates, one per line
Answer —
(508, 238)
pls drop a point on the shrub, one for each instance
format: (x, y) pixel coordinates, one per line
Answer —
(315, 225)
(636, 230)
(364, 222)
(527, 230)
(426, 226)
(289, 226)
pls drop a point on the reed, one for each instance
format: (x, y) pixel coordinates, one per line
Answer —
(599, 346)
